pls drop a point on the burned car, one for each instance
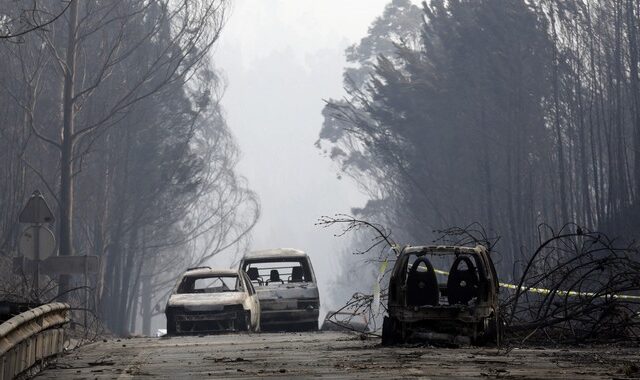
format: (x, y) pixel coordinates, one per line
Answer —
(458, 306)
(212, 300)
(286, 286)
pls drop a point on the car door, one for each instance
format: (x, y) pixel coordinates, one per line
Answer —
(253, 299)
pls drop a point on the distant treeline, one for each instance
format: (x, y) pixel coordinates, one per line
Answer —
(506, 113)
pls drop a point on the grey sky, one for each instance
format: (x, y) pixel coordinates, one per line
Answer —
(281, 58)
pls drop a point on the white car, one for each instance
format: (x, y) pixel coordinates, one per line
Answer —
(286, 286)
(212, 300)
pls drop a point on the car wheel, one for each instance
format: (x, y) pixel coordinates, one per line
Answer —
(496, 329)
(309, 326)
(390, 334)
(243, 323)
(171, 325)
(248, 322)
(491, 331)
(258, 325)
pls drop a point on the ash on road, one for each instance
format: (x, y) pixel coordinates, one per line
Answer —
(328, 355)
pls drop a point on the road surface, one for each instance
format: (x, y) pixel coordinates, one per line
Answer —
(327, 355)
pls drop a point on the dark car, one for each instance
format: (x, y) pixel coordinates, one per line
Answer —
(456, 305)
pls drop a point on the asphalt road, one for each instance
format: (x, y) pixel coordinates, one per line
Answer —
(327, 355)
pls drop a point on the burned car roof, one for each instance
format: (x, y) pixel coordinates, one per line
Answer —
(276, 253)
(440, 249)
(190, 300)
(210, 272)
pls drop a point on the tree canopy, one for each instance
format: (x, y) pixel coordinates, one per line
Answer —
(509, 114)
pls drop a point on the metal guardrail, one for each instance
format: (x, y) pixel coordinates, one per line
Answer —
(31, 337)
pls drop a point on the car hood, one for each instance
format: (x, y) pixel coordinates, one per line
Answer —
(196, 300)
(287, 291)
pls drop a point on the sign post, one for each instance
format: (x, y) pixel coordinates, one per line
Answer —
(36, 211)
(36, 273)
(37, 242)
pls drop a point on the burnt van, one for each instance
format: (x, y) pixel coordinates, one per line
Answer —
(286, 287)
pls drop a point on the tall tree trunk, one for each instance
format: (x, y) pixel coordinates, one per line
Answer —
(132, 311)
(586, 209)
(486, 166)
(146, 305)
(132, 303)
(560, 141)
(632, 31)
(66, 157)
(594, 132)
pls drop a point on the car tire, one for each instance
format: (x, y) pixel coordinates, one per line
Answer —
(496, 329)
(243, 323)
(309, 326)
(390, 334)
(171, 325)
(492, 332)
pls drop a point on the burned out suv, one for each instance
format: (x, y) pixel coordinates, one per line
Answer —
(286, 286)
(456, 303)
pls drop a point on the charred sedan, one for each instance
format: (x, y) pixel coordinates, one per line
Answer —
(458, 306)
(286, 286)
(212, 300)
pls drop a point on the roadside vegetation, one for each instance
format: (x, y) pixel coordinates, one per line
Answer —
(111, 109)
(510, 114)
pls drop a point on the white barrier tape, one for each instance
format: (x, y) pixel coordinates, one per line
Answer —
(570, 293)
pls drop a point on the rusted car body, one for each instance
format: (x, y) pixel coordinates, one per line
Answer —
(212, 300)
(457, 303)
(286, 286)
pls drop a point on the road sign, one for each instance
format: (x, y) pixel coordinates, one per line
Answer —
(36, 210)
(61, 264)
(40, 235)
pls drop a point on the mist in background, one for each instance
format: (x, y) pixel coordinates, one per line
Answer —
(280, 60)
